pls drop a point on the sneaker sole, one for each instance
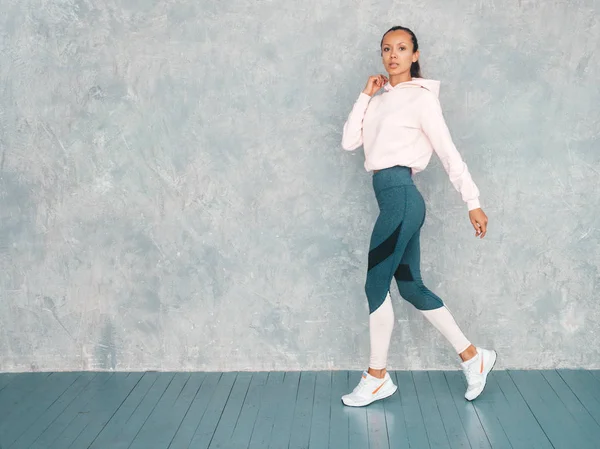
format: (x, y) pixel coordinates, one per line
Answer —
(485, 378)
(378, 398)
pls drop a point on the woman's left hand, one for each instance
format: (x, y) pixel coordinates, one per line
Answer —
(479, 221)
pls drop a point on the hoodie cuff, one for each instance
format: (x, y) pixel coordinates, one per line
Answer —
(473, 204)
(363, 97)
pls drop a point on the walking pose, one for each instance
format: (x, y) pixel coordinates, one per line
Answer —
(399, 131)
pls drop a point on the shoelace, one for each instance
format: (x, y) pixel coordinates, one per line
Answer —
(472, 378)
(469, 375)
(360, 385)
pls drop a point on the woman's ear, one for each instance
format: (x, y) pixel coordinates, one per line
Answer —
(415, 56)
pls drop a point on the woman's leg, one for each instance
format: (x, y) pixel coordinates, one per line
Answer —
(399, 218)
(394, 226)
(381, 325)
(412, 289)
(477, 362)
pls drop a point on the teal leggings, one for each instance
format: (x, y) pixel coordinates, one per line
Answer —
(394, 250)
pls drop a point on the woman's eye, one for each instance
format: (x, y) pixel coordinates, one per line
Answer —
(386, 49)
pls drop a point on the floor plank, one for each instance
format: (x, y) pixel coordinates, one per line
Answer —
(583, 385)
(118, 421)
(489, 410)
(240, 438)
(194, 415)
(338, 421)
(377, 425)
(50, 415)
(142, 411)
(205, 431)
(457, 437)
(265, 419)
(162, 424)
(524, 426)
(436, 431)
(415, 424)
(19, 389)
(520, 409)
(104, 410)
(301, 425)
(96, 412)
(358, 432)
(471, 423)
(53, 431)
(395, 419)
(573, 404)
(319, 435)
(6, 379)
(31, 407)
(230, 415)
(286, 403)
(554, 418)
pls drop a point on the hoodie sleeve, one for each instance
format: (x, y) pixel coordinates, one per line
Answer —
(435, 128)
(352, 135)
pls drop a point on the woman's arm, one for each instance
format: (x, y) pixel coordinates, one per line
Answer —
(435, 128)
(352, 134)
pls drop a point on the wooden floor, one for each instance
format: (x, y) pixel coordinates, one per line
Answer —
(518, 409)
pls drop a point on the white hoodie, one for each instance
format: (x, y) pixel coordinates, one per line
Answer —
(403, 126)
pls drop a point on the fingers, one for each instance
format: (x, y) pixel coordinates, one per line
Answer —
(476, 227)
(480, 227)
(483, 228)
(379, 78)
(483, 224)
(370, 88)
(375, 83)
(479, 220)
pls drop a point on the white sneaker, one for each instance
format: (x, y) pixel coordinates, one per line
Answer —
(476, 371)
(370, 389)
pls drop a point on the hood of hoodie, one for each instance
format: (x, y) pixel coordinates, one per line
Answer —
(431, 85)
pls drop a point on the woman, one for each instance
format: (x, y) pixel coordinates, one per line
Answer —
(399, 130)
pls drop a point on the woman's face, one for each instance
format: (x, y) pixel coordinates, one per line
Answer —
(397, 52)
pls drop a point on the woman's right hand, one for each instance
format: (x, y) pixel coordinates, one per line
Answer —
(374, 83)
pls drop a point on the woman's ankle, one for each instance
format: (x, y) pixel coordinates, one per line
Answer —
(468, 353)
(378, 373)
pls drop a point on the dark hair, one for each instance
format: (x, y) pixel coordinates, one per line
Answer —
(415, 68)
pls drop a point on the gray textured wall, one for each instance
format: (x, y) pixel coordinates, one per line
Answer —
(173, 194)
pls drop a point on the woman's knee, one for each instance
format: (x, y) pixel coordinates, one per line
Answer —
(410, 292)
(375, 296)
(419, 296)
